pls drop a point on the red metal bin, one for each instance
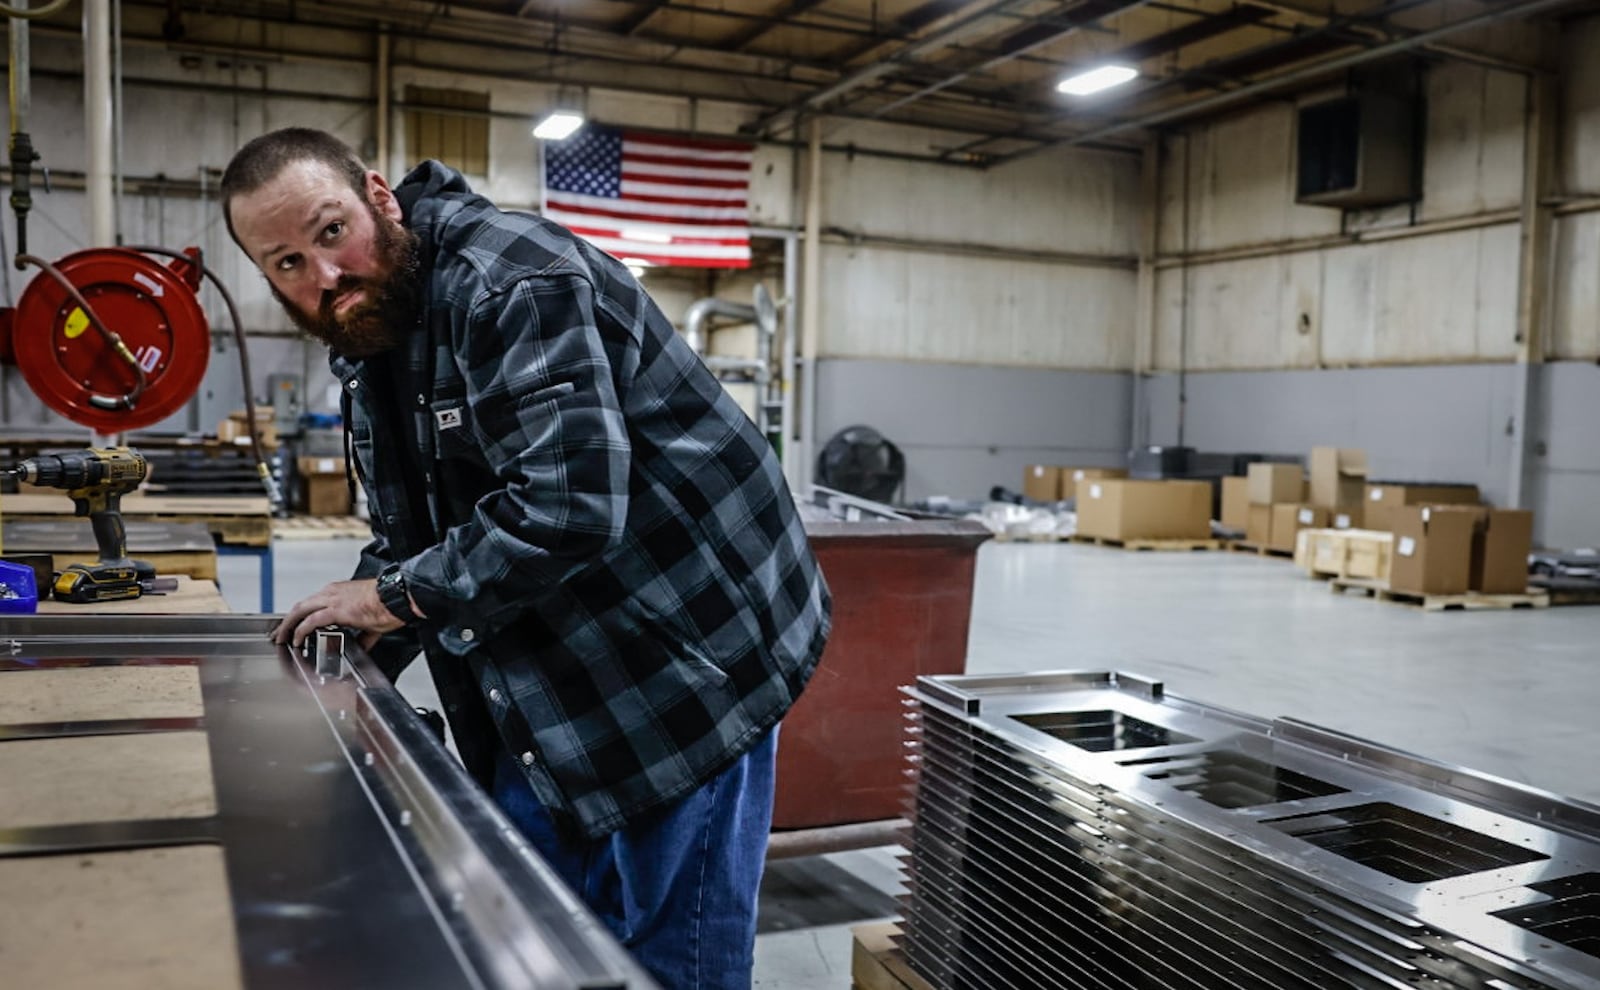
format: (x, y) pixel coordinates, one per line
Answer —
(902, 602)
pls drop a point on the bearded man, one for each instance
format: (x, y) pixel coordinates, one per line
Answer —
(590, 542)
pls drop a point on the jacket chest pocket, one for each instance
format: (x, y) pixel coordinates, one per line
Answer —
(450, 426)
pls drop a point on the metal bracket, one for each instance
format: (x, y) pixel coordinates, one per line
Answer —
(328, 652)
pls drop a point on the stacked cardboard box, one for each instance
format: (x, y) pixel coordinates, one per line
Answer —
(1054, 482)
(1384, 499)
(1452, 549)
(1123, 509)
(1276, 499)
(1346, 553)
(1338, 484)
(1236, 503)
(323, 489)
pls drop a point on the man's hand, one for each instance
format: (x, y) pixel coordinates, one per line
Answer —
(342, 603)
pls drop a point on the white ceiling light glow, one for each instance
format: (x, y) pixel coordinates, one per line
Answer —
(1095, 80)
(558, 125)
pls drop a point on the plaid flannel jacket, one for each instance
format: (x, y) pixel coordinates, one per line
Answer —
(617, 585)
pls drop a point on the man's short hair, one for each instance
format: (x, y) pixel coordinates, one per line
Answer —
(260, 161)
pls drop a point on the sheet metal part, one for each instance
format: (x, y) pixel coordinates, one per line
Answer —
(358, 851)
(1086, 829)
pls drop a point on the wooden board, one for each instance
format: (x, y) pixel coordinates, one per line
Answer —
(1244, 546)
(87, 694)
(321, 528)
(171, 547)
(239, 519)
(876, 962)
(1177, 545)
(147, 919)
(192, 598)
(1471, 601)
(80, 779)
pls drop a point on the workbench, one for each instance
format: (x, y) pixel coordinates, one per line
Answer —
(238, 524)
(192, 598)
(172, 548)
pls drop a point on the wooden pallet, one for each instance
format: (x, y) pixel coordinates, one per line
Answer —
(241, 520)
(1471, 601)
(876, 962)
(1244, 546)
(1027, 538)
(321, 528)
(1151, 544)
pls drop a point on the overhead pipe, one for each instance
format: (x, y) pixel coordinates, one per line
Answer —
(879, 68)
(97, 118)
(1293, 78)
(697, 321)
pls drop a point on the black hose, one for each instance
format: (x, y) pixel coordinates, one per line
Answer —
(112, 339)
(274, 493)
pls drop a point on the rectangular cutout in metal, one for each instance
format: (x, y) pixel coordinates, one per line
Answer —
(1234, 780)
(1104, 730)
(1404, 844)
(1571, 916)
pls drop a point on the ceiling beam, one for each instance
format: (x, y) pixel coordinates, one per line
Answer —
(783, 16)
(1296, 77)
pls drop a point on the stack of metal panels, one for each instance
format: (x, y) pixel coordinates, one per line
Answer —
(1089, 830)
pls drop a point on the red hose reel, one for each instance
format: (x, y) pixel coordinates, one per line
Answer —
(77, 372)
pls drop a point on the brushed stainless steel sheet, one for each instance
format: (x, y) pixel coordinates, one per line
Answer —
(358, 852)
(1056, 814)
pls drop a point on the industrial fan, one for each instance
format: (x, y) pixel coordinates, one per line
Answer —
(861, 461)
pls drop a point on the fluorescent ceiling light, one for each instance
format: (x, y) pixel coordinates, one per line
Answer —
(647, 236)
(558, 125)
(1094, 80)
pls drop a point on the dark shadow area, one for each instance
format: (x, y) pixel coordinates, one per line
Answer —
(811, 892)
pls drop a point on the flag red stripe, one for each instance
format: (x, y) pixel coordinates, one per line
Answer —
(679, 180)
(623, 213)
(740, 168)
(589, 231)
(691, 144)
(678, 200)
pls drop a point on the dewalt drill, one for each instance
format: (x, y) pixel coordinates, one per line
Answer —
(95, 480)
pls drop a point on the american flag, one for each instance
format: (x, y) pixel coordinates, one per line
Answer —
(659, 200)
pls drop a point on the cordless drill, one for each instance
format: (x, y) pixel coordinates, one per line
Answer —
(95, 480)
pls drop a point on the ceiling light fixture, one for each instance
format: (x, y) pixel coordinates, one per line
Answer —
(558, 125)
(1095, 80)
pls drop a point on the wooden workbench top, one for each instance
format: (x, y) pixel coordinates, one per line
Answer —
(192, 598)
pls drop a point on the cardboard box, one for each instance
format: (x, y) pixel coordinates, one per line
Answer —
(1258, 527)
(1433, 549)
(1368, 554)
(1338, 476)
(1348, 517)
(1274, 483)
(1290, 518)
(1041, 482)
(1236, 503)
(1349, 553)
(234, 429)
(1383, 499)
(1073, 478)
(1500, 546)
(323, 489)
(1121, 509)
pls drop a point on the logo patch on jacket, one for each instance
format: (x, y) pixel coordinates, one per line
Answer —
(448, 419)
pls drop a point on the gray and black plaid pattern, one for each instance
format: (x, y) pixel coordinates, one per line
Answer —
(617, 584)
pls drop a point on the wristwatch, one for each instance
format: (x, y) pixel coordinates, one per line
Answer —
(392, 592)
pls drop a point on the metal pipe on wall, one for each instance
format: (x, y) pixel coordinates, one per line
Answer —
(97, 119)
(381, 83)
(1539, 136)
(1145, 288)
(811, 303)
(117, 113)
(791, 281)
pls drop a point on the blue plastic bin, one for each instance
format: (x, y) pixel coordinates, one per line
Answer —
(23, 594)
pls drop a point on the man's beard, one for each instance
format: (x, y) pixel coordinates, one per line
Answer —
(388, 312)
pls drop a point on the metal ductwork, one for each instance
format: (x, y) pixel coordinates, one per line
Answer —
(761, 311)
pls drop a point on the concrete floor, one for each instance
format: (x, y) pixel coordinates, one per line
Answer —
(1516, 694)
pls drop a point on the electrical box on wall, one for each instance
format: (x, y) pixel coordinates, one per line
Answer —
(1357, 151)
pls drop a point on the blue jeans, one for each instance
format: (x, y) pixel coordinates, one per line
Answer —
(678, 889)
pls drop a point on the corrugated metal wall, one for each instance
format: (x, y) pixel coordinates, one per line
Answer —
(1311, 301)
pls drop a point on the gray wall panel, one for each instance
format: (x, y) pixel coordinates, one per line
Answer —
(966, 428)
(1435, 422)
